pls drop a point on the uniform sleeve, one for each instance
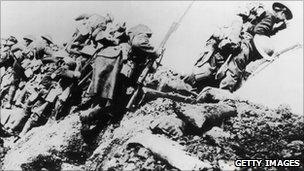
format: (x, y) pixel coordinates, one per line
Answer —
(265, 26)
(17, 47)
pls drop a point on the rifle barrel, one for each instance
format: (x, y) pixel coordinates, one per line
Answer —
(287, 49)
(172, 28)
(265, 65)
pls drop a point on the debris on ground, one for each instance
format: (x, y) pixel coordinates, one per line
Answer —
(211, 133)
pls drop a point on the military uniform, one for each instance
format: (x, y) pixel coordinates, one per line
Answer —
(106, 66)
(88, 30)
(42, 49)
(38, 103)
(25, 56)
(236, 66)
(15, 70)
(117, 67)
(224, 42)
(141, 49)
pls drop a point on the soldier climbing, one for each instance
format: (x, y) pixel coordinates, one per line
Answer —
(228, 51)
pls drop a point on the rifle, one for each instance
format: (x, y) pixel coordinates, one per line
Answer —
(150, 62)
(172, 28)
(275, 56)
(140, 83)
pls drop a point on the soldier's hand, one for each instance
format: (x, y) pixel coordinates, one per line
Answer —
(280, 26)
(77, 74)
(271, 58)
(130, 90)
(286, 23)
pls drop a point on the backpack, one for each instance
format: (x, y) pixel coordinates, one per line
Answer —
(252, 13)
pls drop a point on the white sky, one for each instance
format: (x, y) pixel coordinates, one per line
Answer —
(282, 83)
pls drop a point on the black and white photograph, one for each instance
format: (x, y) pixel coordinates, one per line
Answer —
(151, 85)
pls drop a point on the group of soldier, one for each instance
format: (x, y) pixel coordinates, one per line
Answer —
(91, 73)
(97, 71)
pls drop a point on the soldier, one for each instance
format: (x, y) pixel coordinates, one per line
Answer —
(43, 48)
(6, 64)
(99, 23)
(51, 86)
(223, 43)
(269, 24)
(26, 50)
(25, 56)
(228, 42)
(19, 54)
(81, 33)
(6, 45)
(106, 67)
(141, 50)
(109, 81)
(87, 31)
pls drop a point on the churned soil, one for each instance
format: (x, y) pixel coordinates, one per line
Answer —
(212, 134)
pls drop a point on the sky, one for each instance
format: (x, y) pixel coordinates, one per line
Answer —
(282, 82)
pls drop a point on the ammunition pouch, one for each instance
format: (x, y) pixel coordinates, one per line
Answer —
(28, 72)
(88, 50)
(128, 68)
(53, 94)
(34, 95)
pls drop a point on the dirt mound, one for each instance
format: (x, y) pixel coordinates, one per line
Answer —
(48, 147)
(164, 134)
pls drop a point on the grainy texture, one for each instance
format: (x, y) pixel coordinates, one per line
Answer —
(215, 132)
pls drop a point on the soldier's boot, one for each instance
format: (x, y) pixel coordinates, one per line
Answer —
(19, 121)
(11, 93)
(31, 122)
(27, 113)
(89, 115)
(54, 114)
(19, 98)
(85, 102)
(4, 132)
